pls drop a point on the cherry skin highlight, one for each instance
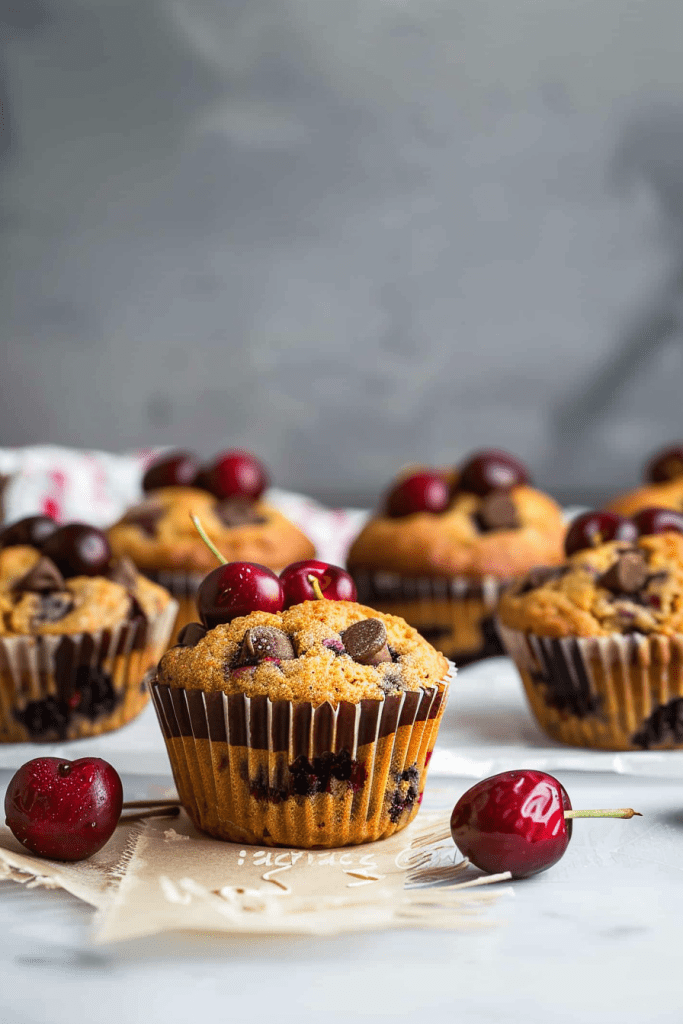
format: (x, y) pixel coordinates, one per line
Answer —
(235, 474)
(78, 550)
(491, 470)
(176, 469)
(65, 810)
(658, 520)
(421, 492)
(334, 582)
(513, 822)
(32, 530)
(235, 589)
(593, 528)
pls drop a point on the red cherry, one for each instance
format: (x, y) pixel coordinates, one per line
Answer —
(421, 492)
(176, 469)
(33, 530)
(78, 550)
(658, 520)
(513, 822)
(62, 809)
(335, 583)
(593, 528)
(491, 470)
(234, 473)
(665, 465)
(235, 589)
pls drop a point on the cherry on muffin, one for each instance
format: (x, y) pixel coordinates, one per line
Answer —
(232, 474)
(426, 491)
(658, 520)
(78, 550)
(298, 582)
(665, 465)
(593, 528)
(32, 531)
(176, 469)
(491, 470)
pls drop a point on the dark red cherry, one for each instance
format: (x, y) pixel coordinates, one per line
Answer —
(235, 589)
(176, 469)
(513, 822)
(66, 810)
(491, 470)
(33, 530)
(593, 528)
(235, 473)
(665, 465)
(658, 520)
(334, 582)
(420, 492)
(78, 550)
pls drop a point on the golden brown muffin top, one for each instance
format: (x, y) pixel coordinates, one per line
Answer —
(158, 534)
(456, 542)
(36, 600)
(312, 663)
(613, 588)
(665, 495)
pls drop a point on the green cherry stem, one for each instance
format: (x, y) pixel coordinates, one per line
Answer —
(209, 543)
(612, 812)
(313, 580)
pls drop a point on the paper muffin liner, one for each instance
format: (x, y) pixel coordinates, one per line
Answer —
(621, 692)
(65, 687)
(283, 773)
(455, 614)
(183, 587)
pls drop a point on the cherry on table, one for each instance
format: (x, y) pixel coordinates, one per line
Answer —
(593, 528)
(66, 810)
(333, 581)
(32, 530)
(176, 469)
(420, 492)
(234, 473)
(491, 470)
(238, 588)
(665, 465)
(658, 520)
(78, 550)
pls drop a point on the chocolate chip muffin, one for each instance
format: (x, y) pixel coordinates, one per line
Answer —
(446, 542)
(312, 727)
(598, 642)
(75, 639)
(662, 486)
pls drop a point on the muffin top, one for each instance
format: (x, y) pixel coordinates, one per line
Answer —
(315, 651)
(615, 587)
(158, 534)
(35, 598)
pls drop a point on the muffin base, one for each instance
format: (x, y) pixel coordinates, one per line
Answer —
(278, 773)
(606, 693)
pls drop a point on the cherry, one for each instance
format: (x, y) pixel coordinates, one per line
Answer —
(238, 588)
(491, 470)
(234, 473)
(593, 528)
(334, 583)
(78, 550)
(421, 492)
(176, 469)
(33, 530)
(62, 809)
(665, 465)
(518, 821)
(658, 520)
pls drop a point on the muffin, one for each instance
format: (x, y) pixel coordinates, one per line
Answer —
(446, 543)
(311, 727)
(598, 642)
(662, 487)
(78, 632)
(160, 538)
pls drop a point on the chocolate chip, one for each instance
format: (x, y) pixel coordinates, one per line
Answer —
(43, 578)
(366, 642)
(123, 571)
(627, 575)
(145, 516)
(51, 608)
(497, 512)
(237, 512)
(191, 634)
(261, 643)
(539, 576)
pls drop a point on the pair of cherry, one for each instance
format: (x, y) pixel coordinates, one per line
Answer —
(593, 528)
(428, 491)
(231, 474)
(76, 549)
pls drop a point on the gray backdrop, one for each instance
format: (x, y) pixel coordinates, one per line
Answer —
(345, 234)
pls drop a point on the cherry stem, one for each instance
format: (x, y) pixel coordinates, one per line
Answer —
(130, 804)
(209, 543)
(159, 812)
(611, 812)
(313, 580)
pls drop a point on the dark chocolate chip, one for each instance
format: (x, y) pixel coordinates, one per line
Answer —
(51, 608)
(262, 642)
(237, 512)
(42, 578)
(627, 575)
(366, 642)
(145, 516)
(497, 512)
(539, 576)
(191, 634)
(123, 571)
